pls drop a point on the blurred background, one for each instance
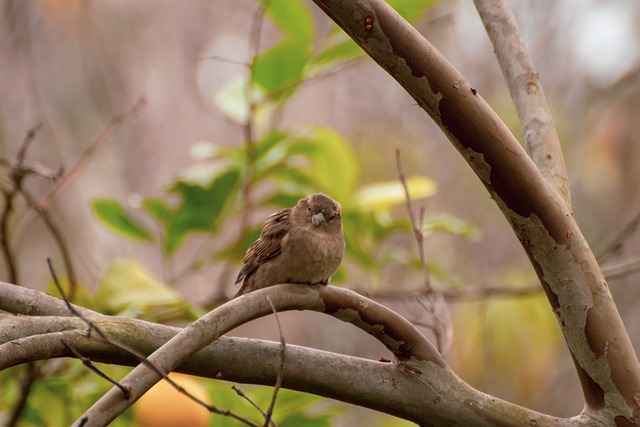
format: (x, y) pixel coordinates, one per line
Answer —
(145, 106)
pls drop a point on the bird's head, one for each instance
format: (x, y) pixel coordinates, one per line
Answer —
(319, 210)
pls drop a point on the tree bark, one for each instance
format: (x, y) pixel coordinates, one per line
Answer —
(605, 360)
(418, 388)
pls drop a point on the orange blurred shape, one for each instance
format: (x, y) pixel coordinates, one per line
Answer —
(164, 406)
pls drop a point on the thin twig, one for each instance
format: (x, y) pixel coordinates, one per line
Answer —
(283, 346)
(283, 349)
(89, 152)
(29, 137)
(65, 181)
(610, 271)
(428, 299)
(58, 238)
(414, 223)
(480, 293)
(141, 357)
(211, 408)
(17, 179)
(243, 395)
(92, 327)
(249, 139)
(621, 269)
(26, 384)
(17, 176)
(458, 295)
(621, 239)
(87, 362)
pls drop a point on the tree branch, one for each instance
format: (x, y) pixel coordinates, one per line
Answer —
(605, 360)
(422, 391)
(538, 129)
(396, 333)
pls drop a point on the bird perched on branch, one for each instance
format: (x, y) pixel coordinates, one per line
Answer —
(303, 244)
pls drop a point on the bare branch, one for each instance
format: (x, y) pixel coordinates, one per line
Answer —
(621, 269)
(413, 389)
(538, 129)
(87, 362)
(243, 395)
(90, 151)
(248, 129)
(46, 202)
(415, 225)
(133, 352)
(58, 238)
(283, 351)
(536, 210)
(620, 239)
(17, 175)
(400, 337)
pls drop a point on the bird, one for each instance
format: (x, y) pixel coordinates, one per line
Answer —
(302, 245)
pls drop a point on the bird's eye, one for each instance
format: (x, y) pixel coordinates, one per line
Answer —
(309, 208)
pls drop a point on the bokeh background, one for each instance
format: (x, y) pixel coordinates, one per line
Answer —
(75, 65)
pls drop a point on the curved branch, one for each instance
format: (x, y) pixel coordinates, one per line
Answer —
(536, 122)
(21, 300)
(396, 333)
(434, 396)
(605, 360)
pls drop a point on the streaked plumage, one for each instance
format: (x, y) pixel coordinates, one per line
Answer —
(303, 244)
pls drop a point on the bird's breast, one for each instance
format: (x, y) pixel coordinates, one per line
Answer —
(313, 255)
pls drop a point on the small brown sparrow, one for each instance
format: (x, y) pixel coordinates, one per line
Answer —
(303, 244)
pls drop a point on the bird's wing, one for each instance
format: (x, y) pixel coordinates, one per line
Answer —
(268, 245)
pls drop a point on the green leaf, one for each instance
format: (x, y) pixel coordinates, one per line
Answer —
(334, 166)
(271, 153)
(114, 217)
(293, 181)
(331, 56)
(307, 420)
(293, 18)
(203, 174)
(127, 284)
(282, 199)
(269, 142)
(81, 296)
(157, 208)
(280, 67)
(232, 100)
(200, 207)
(450, 224)
(382, 197)
(411, 10)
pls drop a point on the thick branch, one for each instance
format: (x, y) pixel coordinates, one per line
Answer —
(21, 300)
(421, 392)
(536, 122)
(605, 359)
(396, 333)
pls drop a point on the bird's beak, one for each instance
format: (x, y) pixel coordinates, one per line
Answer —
(318, 218)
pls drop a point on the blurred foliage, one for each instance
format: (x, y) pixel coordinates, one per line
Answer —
(509, 343)
(69, 388)
(286, 164)
(276, 167)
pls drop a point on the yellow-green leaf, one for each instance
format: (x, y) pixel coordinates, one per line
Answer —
(127, 284)
(113, 215)
(381, 197)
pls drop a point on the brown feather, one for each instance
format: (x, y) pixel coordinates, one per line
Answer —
(268, 244)
(302, 245)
